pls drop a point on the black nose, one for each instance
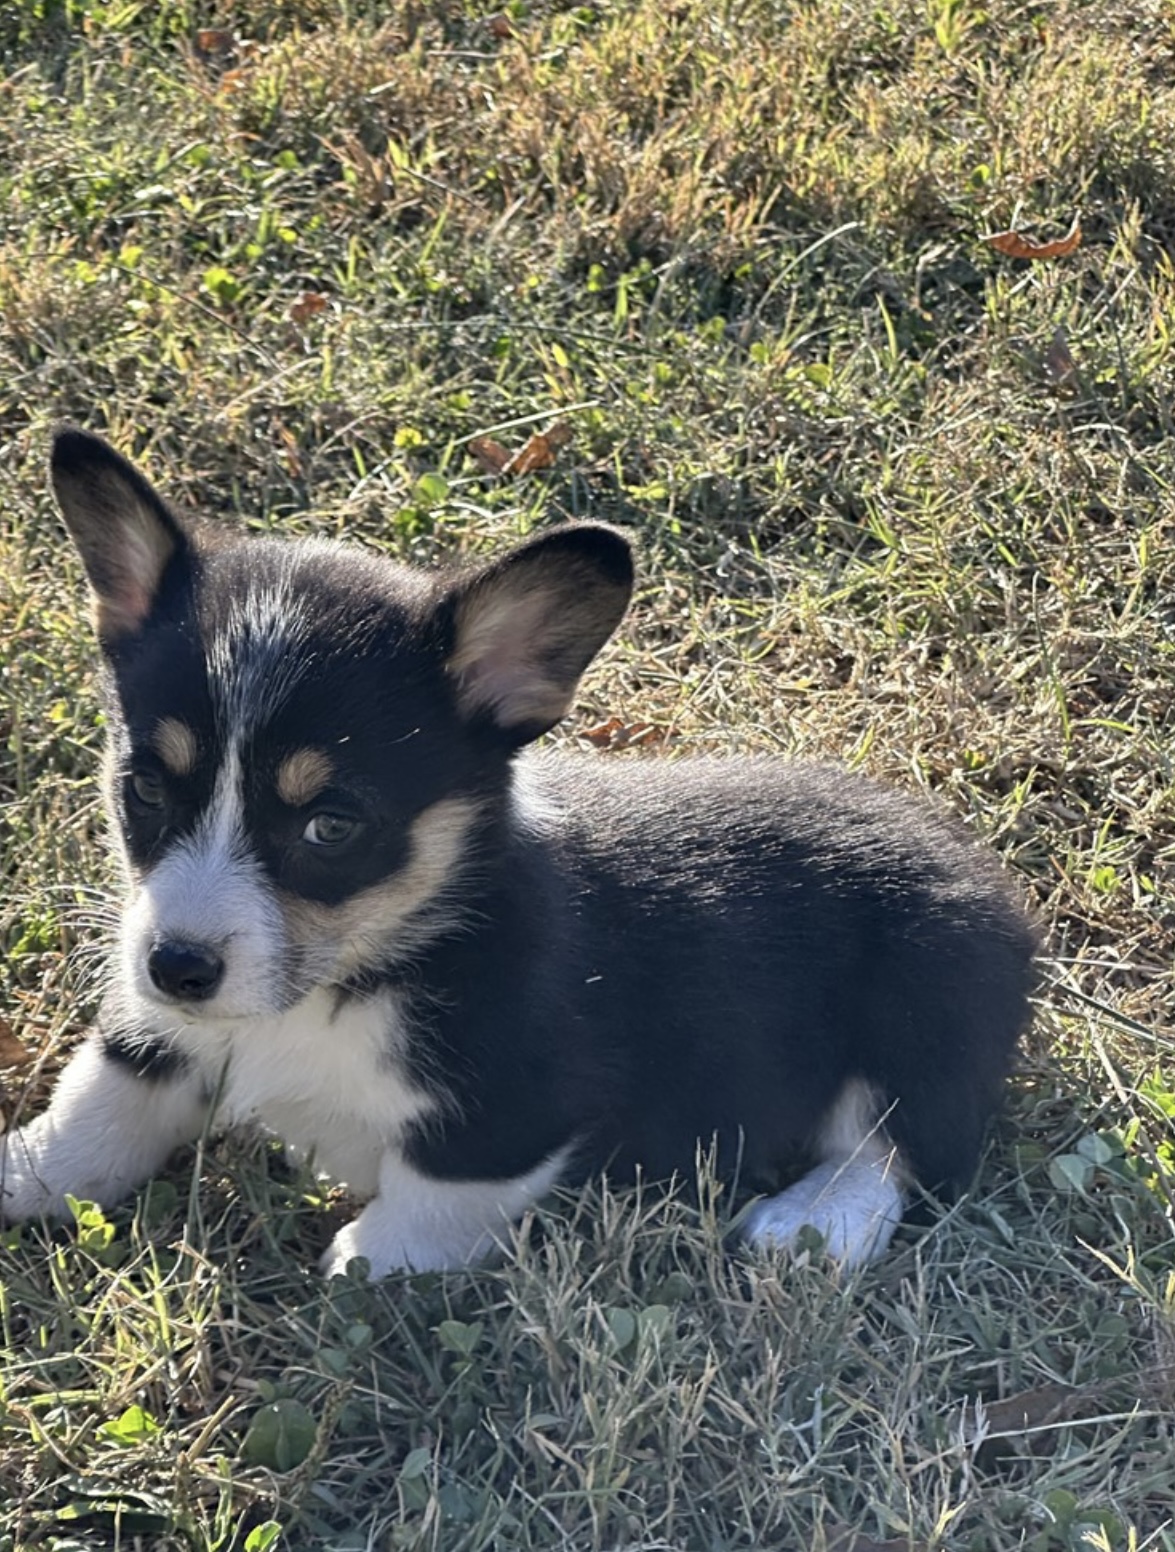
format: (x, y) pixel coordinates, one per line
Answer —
(186, 972)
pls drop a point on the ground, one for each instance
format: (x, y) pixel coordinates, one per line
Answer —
(902, 500)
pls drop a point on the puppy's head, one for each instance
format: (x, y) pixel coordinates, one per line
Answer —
(307, 740)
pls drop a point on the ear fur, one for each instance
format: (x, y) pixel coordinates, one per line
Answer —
(525, 628)
(125, 533)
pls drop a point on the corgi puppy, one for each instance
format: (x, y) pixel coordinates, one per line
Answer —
(453, 973)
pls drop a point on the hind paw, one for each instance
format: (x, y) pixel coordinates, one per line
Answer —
(855, 1206)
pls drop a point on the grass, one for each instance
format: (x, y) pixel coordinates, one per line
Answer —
(901, 502)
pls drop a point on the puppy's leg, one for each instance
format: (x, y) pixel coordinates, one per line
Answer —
(854, 1198)
(420, 1224)
(108, 1128)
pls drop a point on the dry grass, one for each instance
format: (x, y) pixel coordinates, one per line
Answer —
(901, 502)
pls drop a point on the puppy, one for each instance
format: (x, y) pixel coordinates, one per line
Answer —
(454, 974)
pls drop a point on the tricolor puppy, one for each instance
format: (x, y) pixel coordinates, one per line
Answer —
(454, 974)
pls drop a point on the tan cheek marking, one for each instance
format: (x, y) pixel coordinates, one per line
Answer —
(362, 929)
(302, 776)
(175, 744)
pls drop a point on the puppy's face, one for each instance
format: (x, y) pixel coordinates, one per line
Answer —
(294, 789)
(306, 739)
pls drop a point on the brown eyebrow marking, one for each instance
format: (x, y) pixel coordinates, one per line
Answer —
(302, 775)
(176, 746)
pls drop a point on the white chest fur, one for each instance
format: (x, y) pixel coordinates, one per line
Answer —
(328, 1079)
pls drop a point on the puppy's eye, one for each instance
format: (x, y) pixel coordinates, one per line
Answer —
(329, 829)
(147, 787)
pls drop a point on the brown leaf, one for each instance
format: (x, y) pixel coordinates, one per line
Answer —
(615, 734)
(1032, 1413)
(293, 451)
(214, 40)
(603, 735)
(1058, 358)
(499, 25)
(309, 303)
(12, 1053)
(1035, 1408)
(1017, 246)
(491, 455)
(539, 452)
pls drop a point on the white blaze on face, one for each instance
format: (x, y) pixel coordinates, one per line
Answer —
(208, 891)
(255, 659)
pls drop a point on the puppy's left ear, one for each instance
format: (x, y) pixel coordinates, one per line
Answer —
(523, 630)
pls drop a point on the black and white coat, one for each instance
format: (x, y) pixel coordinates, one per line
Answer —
(456, 973)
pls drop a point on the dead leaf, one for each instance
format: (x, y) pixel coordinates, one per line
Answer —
(12, 1052)
(293, 451)
(1034, 1413)
(1058, 358)
(309, 303)
(615, 734)
(538, 453)
(215, 40)
(1036, 1408)
(491, 455)
(1016, 246)
(499, 25)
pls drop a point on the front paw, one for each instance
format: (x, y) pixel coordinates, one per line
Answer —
(23, 1194)
(381, 1243)
(341, 1253)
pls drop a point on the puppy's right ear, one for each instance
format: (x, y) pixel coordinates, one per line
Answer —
(125, 533)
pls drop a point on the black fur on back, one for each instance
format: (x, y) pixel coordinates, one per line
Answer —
(675, 951)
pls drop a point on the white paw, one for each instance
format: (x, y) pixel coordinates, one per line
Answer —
(340, 1253)
(388, 1245)
(384, 1252)
(23, 1193)
(855, 1206)
(417, 1223)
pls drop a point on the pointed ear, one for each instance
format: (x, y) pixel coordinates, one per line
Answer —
(524, 629)
(125, 533)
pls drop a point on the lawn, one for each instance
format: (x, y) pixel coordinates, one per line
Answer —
(902, 500)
